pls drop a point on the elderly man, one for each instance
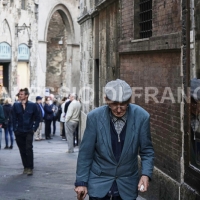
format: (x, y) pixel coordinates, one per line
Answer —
(107, 166)
(72, 119)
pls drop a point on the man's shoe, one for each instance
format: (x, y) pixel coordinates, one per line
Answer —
(70, 151)
(29, 172)
(6, 147)
(25, 171)
(11, 147)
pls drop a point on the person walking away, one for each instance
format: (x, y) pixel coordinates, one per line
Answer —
(1, 122)
(72, 119)
(55, 107)
(62, 118)
(107, 165)
(38, 133)
(8, 123)
(26, 119)
(48, 117)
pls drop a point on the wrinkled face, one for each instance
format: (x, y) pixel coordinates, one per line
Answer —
(118, 109)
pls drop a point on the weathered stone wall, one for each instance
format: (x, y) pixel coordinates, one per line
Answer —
(197, 36)
(70, 72)
(10, 15)
(99, 53)
(56, 53)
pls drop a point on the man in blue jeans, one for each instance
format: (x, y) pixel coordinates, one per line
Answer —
(107, 166)
(26, 119)
(1, 122)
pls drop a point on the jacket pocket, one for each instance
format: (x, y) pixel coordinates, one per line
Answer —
(29, 112)
(96, 170)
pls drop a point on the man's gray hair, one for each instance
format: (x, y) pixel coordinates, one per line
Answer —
(74, 95)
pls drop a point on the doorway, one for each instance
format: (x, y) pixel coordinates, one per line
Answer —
(4, 76)
(23, 75)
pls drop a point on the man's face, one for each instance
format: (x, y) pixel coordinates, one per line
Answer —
(22, 96)
(51, 97)
(118, 109)
(39, 101)
(71, 98)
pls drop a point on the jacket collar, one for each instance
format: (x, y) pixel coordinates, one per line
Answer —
(105, 121)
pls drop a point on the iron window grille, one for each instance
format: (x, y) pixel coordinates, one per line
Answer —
(145, 18)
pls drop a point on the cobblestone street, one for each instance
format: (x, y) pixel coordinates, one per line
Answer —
(54, 172)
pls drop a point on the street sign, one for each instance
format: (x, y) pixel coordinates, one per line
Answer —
(47, 92)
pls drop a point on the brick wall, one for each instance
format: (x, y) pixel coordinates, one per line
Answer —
(166, 17)
(127, 17)
(158, 70)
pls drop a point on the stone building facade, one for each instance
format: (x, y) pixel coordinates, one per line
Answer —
(53, 60)
(58, 46)
(150, 52)
(18, 45)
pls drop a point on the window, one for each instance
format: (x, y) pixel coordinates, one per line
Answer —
(23, 4)
(145, 18)
(36, 11)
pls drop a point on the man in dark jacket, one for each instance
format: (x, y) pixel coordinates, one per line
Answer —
(1, 122)
(26, 119)
(38, 134)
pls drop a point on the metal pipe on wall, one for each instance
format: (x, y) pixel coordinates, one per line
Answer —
(187, 76)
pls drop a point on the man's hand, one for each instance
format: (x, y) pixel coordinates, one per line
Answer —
(143, 184)
(81, 192)
(0, 125)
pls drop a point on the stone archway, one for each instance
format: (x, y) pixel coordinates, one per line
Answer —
(60, 37)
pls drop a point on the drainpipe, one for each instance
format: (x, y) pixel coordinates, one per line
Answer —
(188, 43)
(188, 61)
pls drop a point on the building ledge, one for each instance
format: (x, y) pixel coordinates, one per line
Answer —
(157, 43)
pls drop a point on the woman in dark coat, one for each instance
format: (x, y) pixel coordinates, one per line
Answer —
(48, 117)
(8, 123)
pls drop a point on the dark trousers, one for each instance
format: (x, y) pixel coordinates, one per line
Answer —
(54, 125)
(25, 145)
(47, 128)
(76, 137)
(63, 130)
(106, 198)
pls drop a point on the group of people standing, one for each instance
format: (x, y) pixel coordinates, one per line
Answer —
(25, 119)
(48, 111)
(68, 115)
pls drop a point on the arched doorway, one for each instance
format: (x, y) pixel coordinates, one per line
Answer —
(56, 52)
(63, 66)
